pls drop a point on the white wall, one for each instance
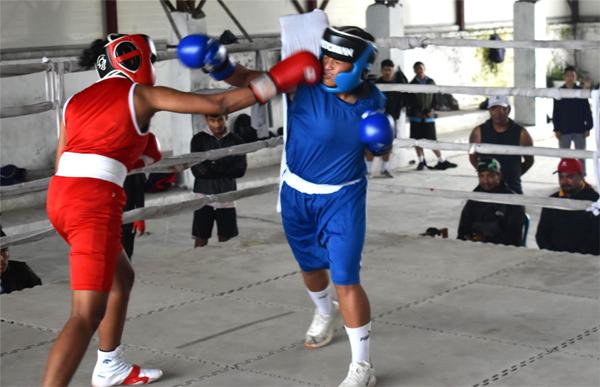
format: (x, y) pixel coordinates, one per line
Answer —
(35, 23)
(428, 12)
(27, 23)
(589, 7)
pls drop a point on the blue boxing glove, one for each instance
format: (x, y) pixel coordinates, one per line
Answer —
(376, 132)
(202, 52)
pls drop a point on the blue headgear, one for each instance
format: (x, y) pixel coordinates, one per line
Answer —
(347, 47)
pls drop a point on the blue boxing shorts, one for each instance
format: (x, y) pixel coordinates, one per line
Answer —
(327, 231)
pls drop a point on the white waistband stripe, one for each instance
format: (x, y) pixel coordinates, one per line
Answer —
(304, 186)
(91, 165)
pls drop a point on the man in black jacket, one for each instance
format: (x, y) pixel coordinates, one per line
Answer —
(215, 177)
(572, 231)
(491, 222)
(572, 117)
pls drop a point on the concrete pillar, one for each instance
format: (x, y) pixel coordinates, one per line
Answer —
(529, 22)
(184, 126)
(383, 22)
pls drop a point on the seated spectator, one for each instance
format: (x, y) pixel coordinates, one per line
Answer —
(491, 222)
(572, 231)
(15, 275)
(215, 177)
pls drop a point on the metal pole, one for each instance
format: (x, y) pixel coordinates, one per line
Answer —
(59, 94)
(460, 14)
(110, 13)
(170, 18)
(237, 23)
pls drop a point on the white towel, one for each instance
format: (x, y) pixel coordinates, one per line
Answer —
(298, 32)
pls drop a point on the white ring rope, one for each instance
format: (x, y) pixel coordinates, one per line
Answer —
(409, 42)
(400, 42)
(472, 148)
(182, 162)
(514, 199)
(555, 93)
(24, 110)
(150, 212)
(167, 165)
(160, 211)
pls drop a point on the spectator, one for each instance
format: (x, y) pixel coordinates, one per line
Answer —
(572, 117)
(215, 177)
(500, 129)
(491, 222)
(242, 127)
(572, 231)
(422, 119)
(15, 275)
(393, 106)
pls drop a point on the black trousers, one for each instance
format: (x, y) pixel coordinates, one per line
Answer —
(205, 217)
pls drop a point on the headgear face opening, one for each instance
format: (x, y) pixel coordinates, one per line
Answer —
(350, 48)
(130, 55)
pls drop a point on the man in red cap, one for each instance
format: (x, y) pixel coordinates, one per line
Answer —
(572, 231)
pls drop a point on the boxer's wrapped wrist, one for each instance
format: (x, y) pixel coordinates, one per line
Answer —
(263, 88)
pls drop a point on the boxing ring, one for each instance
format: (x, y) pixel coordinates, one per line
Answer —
(445, 312)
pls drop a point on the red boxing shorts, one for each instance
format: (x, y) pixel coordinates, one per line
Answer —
(87, 213)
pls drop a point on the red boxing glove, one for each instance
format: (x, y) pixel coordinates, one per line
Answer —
(151, 153)
(139, 227)
(302, 67)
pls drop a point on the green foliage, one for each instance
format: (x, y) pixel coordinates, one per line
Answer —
(556, 72)
(491, 73)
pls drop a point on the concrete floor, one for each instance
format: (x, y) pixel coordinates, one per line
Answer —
(446, 312)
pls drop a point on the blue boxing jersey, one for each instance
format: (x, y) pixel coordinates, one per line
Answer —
(323, 143)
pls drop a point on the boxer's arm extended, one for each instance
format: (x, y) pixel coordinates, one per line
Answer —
(151, 99)
(201, 52)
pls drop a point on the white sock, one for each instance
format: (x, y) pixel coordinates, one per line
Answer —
(322, 300)
(112, 363)
(369, 166)
(441, 159)
(111, 369)
(385, 165)
(421, 158)
(360, 338)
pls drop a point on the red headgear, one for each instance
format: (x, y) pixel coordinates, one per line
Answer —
(569, 166)
(130, 55)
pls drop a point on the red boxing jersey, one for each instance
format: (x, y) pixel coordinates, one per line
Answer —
(101, 120)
